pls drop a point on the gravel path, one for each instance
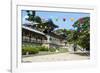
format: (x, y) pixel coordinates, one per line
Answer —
(54, 57)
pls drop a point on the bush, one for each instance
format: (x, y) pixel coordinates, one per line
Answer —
(30, 50)
(52, 49)
(35, 49)
(43, 48)
(24, 51)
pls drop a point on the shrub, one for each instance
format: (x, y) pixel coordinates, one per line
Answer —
(30, 50)
(23, 51)
(52, 49)
(42, 48)
(35, 49)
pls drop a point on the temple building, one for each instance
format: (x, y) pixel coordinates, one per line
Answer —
(32, 35)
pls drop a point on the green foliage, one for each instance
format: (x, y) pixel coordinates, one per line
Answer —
(52, 49)
(30, 50)
(37, 19)
(31, 15)
(84, 40)
(35, 49)
(42, 48)
(84, 25)
(82, 37)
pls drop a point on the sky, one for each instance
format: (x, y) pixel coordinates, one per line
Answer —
(67, 24)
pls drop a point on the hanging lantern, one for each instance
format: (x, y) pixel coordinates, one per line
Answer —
(73, 25)
(45, 26)
(78, 25)
(71, 19)
(81, 20)
(41, 26)
(64, 19)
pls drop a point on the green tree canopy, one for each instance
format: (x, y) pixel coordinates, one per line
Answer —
(82, 26)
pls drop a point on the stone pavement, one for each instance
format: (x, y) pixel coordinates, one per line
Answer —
(54, 57)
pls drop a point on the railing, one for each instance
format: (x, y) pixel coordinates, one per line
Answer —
(34, 40)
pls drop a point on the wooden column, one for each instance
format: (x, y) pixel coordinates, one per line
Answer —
(30, 37)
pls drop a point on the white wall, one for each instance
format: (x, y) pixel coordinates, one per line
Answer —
(5, 34)
(86, 2)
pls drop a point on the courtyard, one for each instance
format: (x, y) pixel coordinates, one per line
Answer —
(46, 39)
(55, 57)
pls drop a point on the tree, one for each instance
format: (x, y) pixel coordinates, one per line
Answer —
(82, 24)
(83, 32)
(42, 26)
(31, 15)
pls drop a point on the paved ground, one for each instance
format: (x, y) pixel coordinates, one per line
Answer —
(54, 57)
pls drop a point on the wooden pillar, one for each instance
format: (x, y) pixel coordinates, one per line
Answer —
(48, 40)
(30, 37)
(41, 39)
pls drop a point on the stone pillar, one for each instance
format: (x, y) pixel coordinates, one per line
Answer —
(48, 41)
